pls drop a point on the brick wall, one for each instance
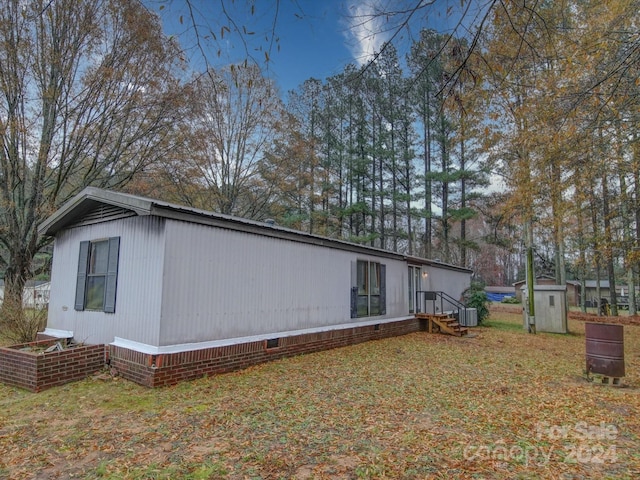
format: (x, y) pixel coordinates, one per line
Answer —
(37, 370)
(168, 369)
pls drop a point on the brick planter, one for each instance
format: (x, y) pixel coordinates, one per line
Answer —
(168, 369)
(38, 370)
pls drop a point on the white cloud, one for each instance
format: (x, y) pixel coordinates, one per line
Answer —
(365, 32)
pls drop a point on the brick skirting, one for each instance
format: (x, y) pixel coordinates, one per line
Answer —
(170, 368)
(38, 370)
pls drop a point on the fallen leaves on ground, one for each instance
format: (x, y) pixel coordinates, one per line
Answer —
(500, 404)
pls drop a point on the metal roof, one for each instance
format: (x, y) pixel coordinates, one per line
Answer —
(545, 277)
(76, 208)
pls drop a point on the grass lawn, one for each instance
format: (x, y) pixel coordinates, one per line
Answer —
(503, 404)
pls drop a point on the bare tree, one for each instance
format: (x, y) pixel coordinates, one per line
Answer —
(87, 97)
(236, 117)
(212, 32)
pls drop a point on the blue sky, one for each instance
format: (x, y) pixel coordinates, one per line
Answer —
(317, 38)
(317, 44)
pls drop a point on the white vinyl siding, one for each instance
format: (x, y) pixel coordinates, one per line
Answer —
(139, 282)
(222, 284)
(441, 279)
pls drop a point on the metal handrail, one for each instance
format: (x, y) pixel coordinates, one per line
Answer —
(433, 296)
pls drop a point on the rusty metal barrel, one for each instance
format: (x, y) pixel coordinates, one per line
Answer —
(605, 349)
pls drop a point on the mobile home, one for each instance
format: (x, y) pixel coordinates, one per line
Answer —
(175, 292)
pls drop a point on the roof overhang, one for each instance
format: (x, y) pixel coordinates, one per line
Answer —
(90, 198)
(87, 200)
(436, 263)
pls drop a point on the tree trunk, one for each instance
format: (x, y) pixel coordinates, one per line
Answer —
(383, 230)
(608, 245)
(463, 195)
(626, 231)
(426, 125)
(373, 175)
(582, 255)
(593, 206)
(445, 191)
(15, 278)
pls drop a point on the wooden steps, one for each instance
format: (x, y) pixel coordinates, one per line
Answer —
(443, 323)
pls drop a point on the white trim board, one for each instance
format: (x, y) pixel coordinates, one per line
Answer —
(186, 347)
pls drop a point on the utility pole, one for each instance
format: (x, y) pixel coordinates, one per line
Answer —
(531, 308)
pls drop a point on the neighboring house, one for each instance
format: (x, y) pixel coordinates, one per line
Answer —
(36, 293)
(622, 293)
(591, 292)
(540, 280)
(573, 288)
(574, 293)
(178, 292)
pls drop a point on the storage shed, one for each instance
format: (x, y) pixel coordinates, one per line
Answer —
(572, 292)
(177, 292)
(550, 305)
